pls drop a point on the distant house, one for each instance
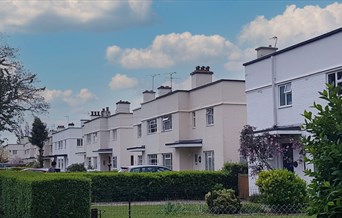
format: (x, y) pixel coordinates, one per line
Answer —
(15, 153)
(280, 85)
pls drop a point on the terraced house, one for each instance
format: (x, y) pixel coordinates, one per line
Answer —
(280, 85)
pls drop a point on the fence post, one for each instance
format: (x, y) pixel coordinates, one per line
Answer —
(129, 209)
(94, 213)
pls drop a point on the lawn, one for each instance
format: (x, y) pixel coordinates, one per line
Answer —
(179, 210)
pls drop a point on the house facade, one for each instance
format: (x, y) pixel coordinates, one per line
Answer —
(67, 146)
(195, 129)
(280, 85)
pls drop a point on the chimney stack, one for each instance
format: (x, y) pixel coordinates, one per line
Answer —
(122, 107)
(148, 95)
(201, 76)
(263, 51)
(163, 90)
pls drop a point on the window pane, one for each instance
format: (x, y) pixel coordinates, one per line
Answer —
(331, 79)
(339, 75)
(289, 98)
(282, 95)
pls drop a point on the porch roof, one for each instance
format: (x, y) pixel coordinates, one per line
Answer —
(136, 149)
(104, 151)
(194, 143)
(281, 130)
(56, 155)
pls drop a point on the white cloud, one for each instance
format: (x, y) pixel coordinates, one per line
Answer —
(167, 50)
(294, 25)
(49, 15)
(67, 96)
(120, 81)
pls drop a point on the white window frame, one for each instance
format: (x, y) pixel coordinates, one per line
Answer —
(152, 159)
(140, 160)
(209, 157)
(139, 130)
(95, 137)
(287, 93)
(167, 160)
(115, 162)
(166, 122)
(336, 80)
(193, 116)
(79, 142)
(114, 134)
(95, 162)
(152, 126)
(210, 116)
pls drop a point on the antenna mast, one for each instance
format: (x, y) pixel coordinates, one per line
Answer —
(275, 40)
(171, 78)
(153, 76)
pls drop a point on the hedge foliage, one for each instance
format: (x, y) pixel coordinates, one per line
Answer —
(40, 195)
(108, 187)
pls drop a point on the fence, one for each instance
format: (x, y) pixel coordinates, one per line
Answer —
(192, 209)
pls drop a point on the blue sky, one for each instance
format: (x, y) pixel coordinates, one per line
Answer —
(89, 54)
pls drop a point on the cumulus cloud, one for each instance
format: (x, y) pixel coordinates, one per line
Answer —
(167, 50)
(49, 15)
(294, 25)
(120, 81)
(68, 96)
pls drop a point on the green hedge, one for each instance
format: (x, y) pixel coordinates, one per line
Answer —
(108, 187)
(40, 195)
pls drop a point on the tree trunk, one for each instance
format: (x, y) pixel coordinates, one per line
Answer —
(40, 157)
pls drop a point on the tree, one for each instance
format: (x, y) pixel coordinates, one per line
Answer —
(3, 155)
(257, 149)
(39, 134)
(324, 146)
(18, 93)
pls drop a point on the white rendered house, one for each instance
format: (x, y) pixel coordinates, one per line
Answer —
(195, 129)
(280, 85)
(67, 146)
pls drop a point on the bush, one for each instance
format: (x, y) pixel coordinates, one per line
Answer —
(77, 167)
(255, 198)
(223, 201)
(281, 188)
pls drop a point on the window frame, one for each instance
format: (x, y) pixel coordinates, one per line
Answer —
(287, 95)
(167, 157)
(139, 131)
(114, 134)
(209, 157)
(166, 122)
(152, 126)
(337, 81)
(151, 158)
(79, 142)
(193, 119)
(209, 114)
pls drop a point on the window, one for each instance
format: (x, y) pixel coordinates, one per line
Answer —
(139, 130)
(79, 142)
(152, 126)
(88, 139)
(335, 79)
(140, 159)
(152, 159)
(167, 122)
(95, 137)
(115, 162)
(167, 160)
(193, 119)
(95, 162)
(132, 160)
(14, 152)
(209, 160)
(285, 95)
(210, 116)
(114, 134)
(89, 162)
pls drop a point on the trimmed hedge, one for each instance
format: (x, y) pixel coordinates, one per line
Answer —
(108, 187)
(40, 195)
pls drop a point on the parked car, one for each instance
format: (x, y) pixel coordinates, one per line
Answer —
(42, 170)
(144, 168)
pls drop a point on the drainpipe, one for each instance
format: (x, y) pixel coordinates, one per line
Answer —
(274, 92)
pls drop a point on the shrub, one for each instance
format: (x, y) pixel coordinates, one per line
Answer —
(281, 188)
(77, 167)
(255, 198)
(223, 201)
(324, 144)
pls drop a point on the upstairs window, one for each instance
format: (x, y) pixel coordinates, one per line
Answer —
(167, 122)
(152, 126)
(335, 79)
(285, 95)
(210, 116)
(114, 134)
(139, 130)
(193, 119)
(79, 142)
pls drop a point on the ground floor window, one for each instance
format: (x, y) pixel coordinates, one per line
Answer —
(167, 160)
(152, 159)
(95, 162)
(140, 159)
(209, 160)
(115, 162)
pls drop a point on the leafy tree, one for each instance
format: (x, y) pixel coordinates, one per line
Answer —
(257, 149)
(18, 93)
(39, 134)
(324, 144)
